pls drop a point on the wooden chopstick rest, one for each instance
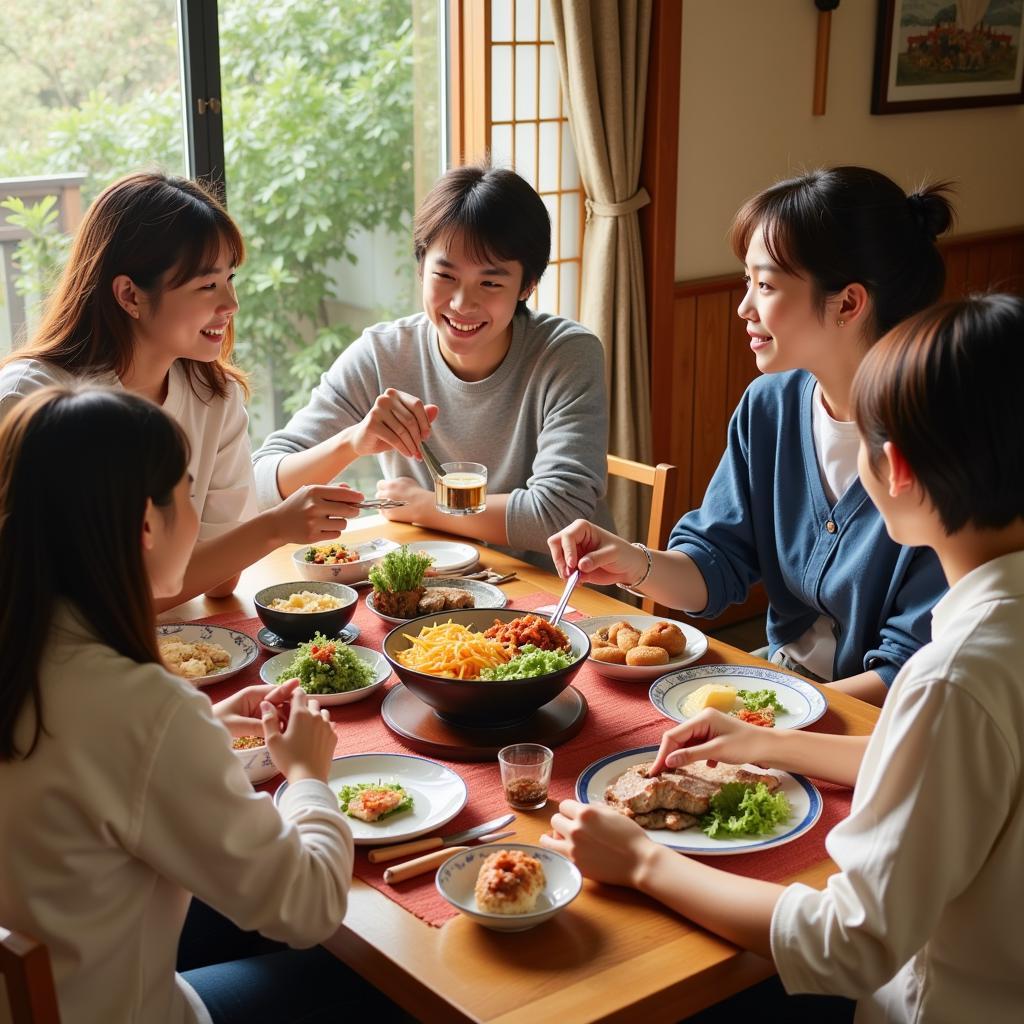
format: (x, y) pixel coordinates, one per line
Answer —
(412, 868)
(386, 853)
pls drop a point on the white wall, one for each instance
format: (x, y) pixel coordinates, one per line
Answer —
(745, 121)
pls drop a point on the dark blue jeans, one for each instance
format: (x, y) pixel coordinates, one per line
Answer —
(243, 978)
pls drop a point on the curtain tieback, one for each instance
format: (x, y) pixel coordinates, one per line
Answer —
(631, 205)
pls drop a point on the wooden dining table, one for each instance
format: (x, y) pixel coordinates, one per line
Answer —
(618, 956)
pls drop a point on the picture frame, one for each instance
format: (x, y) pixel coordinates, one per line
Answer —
(948, 54)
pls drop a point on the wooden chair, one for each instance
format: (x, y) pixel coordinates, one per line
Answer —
(662, 478)
(25, 966)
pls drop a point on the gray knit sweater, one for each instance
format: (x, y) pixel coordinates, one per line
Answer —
(539, 422)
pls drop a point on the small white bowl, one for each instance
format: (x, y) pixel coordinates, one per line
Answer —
(257, 763)
(370, 553)
(456, 879)
(273, 667)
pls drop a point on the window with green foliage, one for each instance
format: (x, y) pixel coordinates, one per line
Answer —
(331, 127)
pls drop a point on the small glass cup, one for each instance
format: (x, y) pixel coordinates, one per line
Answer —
(462, 491)
(525, 775)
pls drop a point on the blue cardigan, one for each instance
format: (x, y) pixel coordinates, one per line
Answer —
(766, 517)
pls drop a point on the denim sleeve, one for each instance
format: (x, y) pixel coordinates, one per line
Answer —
(908, 625)
(719, 536)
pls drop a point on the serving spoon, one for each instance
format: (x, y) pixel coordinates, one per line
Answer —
(560, 607)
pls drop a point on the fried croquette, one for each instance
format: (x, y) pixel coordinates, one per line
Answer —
(666, 635)
(608, 654)
(646, 656)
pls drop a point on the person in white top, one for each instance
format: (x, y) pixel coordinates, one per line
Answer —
(147, 302)
(119, 791)
(921, 922)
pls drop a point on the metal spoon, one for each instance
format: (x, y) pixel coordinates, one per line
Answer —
(560, 609)
(431, 461)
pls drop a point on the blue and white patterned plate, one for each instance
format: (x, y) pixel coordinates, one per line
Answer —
(803, 798)
(242, 648)
(803, 702)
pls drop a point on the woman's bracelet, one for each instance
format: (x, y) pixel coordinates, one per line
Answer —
(632, 587)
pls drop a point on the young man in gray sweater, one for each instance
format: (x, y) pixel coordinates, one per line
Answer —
(482, 376)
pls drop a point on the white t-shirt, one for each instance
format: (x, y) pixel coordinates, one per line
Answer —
(922, 923)
(835, 444)
(132, 801)
(217, 429)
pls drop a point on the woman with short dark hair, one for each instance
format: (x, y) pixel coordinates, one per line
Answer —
(519, 391)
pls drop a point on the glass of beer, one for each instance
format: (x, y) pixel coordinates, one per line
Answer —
(462, 490)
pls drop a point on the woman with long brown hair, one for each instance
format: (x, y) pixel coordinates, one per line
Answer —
(147, 302)
(119, 792)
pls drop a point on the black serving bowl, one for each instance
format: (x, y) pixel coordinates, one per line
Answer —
(477, 702)
(297, 627)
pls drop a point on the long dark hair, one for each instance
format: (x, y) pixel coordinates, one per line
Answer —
(145, 225)
(852, 225)
(77, 466)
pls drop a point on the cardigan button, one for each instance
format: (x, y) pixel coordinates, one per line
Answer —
(831, 526)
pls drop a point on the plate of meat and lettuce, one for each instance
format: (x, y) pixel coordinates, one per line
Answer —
(702, 810)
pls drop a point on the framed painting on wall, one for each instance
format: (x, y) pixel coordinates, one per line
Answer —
(945, 54)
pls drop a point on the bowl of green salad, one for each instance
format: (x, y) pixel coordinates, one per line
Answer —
(331, 671)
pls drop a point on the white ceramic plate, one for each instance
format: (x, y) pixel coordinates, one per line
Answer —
(242, 648)
(804, 799)
(485, 595)
(273, 667)
(804, 703)
(456, 879)
(449, 556)
(370, 553)
(438, 794)
(696, 647)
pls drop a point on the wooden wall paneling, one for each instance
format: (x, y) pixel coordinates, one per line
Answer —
(711, 416)
(956, 272)
(1017, 265)
(1000, 270)
(979, 260)
(675, 414)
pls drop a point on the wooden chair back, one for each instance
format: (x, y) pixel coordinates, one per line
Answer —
(25, 966)
(662, 480)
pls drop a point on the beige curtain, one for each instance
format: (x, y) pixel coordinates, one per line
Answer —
(602, 54)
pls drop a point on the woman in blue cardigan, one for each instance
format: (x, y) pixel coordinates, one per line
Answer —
(833, 259)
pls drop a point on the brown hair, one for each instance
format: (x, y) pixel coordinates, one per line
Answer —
(851, 225)
(944, 387)
(160, 231)
(56, 446)
(498, 215)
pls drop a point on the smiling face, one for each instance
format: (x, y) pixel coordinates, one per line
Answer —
(190, 320)
(785, 328)
(471, 304)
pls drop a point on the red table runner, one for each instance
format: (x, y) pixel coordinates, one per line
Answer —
(620, 717)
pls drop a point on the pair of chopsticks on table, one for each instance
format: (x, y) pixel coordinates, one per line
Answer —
(442, 848)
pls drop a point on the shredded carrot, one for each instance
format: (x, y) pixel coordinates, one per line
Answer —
(453, 651)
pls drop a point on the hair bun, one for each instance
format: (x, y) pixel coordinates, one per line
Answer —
(931, 209)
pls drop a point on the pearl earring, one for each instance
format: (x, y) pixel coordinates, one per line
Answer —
(840, 323)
